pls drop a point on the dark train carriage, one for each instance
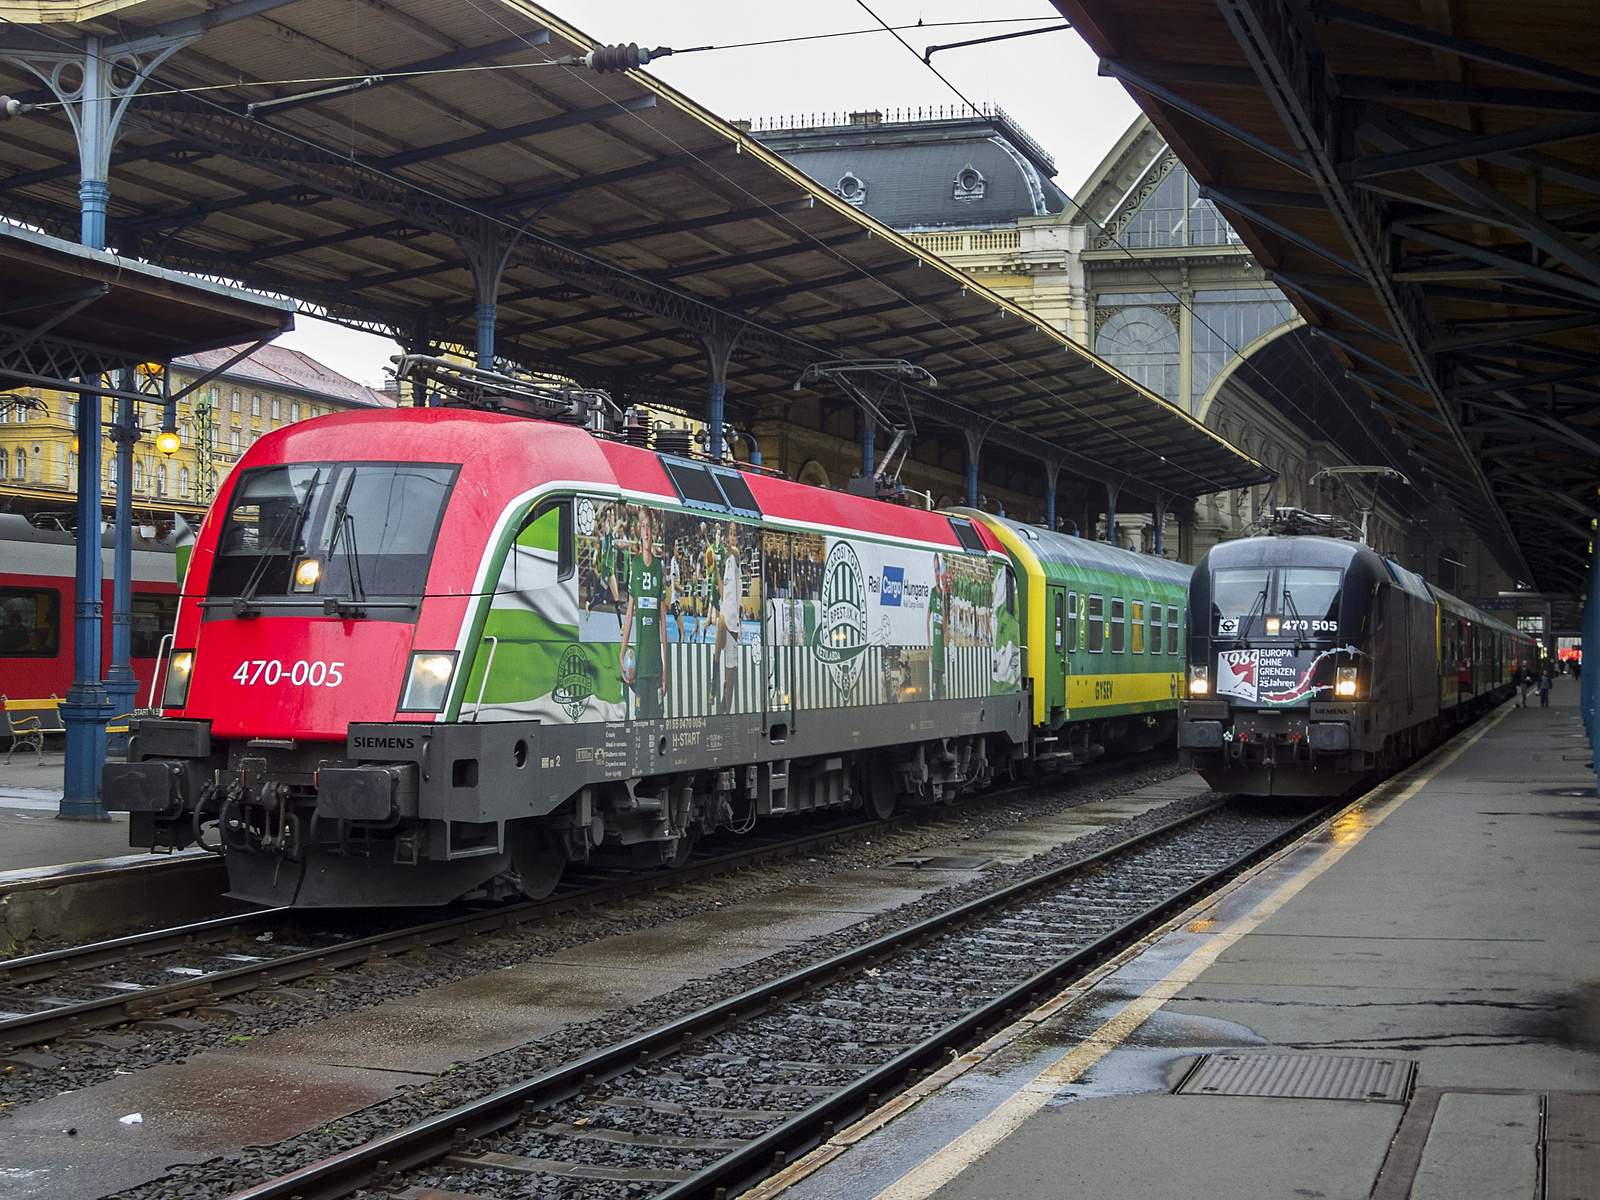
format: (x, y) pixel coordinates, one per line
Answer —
(1314, 659)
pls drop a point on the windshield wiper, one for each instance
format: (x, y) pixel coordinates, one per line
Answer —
(242, 606)
(331, 605)
(1260, 605)
(1289, 607)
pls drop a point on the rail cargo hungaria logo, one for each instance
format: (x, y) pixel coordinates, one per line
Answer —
(576, 678)
(841, 634)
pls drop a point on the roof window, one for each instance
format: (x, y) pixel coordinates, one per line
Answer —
(714, 489)
(852, 189)
(970, 184)
(967, 535)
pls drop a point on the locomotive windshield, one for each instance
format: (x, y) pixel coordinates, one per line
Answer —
(1306, 597)
(1239, 591)
(1311, 592)
(348, 530)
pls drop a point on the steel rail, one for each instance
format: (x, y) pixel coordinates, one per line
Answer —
(162, 1000)
(33, 968)
(376, 1162)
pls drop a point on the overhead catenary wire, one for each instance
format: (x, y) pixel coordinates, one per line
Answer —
(1117, 242)
(998, 363)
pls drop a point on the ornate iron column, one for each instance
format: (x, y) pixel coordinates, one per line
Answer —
(85, 710)
(122, 688)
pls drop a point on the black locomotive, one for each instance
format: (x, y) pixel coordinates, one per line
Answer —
(1314, 660)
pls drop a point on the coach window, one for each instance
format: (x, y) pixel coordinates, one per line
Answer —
(1119, 625)
(1138, 626)
(1173, 641)
(1097, 624)
(1155, 629)
(154, 615)
(30, 622)
(1072, 622)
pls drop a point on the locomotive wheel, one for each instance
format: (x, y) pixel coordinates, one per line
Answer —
(880, 790)
(538, 861)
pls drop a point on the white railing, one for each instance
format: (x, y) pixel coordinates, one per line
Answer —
(977, 241)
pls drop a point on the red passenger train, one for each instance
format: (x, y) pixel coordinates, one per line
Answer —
(427, 651)
(37, 583)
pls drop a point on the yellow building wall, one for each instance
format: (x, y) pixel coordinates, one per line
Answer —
(240, 411)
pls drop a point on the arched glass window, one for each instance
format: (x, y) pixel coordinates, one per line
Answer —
(161, 480)
(138, 476)
(1225, 322)
(1142, 343)
(21, 472)
(1175, 215)
(5, 464)
(233, 441)
(183, 481)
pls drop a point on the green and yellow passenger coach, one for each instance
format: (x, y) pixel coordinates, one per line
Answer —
(1104, 632)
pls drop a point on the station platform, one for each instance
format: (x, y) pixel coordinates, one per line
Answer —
(30, 836)
(1406, 1006)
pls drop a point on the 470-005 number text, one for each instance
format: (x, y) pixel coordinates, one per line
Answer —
(272, 672)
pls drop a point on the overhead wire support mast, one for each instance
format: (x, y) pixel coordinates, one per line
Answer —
(927, 55)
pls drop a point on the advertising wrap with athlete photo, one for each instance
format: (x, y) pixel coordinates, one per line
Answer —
(667, 613)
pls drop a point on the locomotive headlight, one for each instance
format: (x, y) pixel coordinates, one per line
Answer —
(306, 575)
(1344, 681)
(180, 669)
(428, 681)
(1199, 681)
(1273, 625)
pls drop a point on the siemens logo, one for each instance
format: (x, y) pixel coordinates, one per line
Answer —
(894, 586)
(383, 743)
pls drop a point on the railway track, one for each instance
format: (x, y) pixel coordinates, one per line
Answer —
(65, 993)
(704, 1106)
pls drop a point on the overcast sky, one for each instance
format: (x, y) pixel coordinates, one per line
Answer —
(1047, 83)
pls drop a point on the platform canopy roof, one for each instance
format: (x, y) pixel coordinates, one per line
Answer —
(71, 315)
(1422, 177)
(635, 226)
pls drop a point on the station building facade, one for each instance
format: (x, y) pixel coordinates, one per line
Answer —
(1138, 266)
(216, 424)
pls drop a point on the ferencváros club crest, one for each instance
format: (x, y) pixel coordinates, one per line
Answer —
(575, 681)
(841, 634)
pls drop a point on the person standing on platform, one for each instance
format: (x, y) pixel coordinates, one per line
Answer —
(1544, 688)
(1523, 679)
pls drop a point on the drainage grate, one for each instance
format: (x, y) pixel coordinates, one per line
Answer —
(944, 864)
(1301, 1077)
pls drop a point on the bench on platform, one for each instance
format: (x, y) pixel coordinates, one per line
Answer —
(26, 722)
